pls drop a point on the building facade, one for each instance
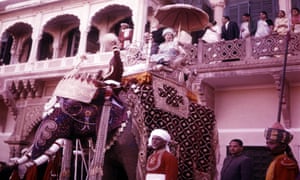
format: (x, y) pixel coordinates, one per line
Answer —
(41, 40)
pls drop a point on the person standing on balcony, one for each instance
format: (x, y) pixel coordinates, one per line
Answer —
(125, 35)
(236, 165)
(295, 20)
(161, 164)
(281, 24)
(247, 27)
(284, 164)
(212, 33)
(264, 25)
(230, 29)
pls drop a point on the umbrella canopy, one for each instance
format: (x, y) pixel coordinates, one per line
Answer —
(182, 17)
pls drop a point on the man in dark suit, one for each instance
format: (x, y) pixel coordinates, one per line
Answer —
(230, 29)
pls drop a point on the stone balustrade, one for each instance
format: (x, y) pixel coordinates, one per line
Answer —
(249, 49)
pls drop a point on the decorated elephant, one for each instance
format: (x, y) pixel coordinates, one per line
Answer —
(144, 102)
(74, 112)
(158, 101)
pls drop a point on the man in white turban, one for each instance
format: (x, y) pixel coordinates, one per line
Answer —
(161, 164)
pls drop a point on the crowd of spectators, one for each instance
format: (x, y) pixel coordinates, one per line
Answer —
(230, 30)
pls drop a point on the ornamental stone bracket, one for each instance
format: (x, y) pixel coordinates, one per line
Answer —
(20, 89)
(10, 102)
(205, 93)
(28, 88)
(285, 106)
(27, 116)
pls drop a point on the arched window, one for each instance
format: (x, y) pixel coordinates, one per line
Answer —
(73, 42)
(45, 47)
(93, 45)
(25, 51)
(6, 43)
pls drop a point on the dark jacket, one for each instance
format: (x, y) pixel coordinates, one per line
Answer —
(237, 168)
(232, 32)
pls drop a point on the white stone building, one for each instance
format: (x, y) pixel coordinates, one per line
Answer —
(41, 40)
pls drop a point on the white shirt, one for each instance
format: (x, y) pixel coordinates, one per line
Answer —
(263, 29)
(244, 29)
(212, 34)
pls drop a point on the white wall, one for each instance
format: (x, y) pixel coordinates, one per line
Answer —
(245, 113)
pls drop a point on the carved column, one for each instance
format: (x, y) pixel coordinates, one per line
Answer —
(218, 6)
(84, 29)
(56, 46)
(13, 51)
(36, 35)
(139, 18)
(285, 111)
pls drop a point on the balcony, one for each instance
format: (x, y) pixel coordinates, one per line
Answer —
(252, 61)
(255, 60)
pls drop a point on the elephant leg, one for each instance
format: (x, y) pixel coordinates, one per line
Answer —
(126, 150)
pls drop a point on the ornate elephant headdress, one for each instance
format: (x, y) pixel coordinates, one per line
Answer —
(82, 86)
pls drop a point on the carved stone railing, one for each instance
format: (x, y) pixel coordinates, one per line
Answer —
(275, 45)
(247, 49)
(214, 52)
(203, 53)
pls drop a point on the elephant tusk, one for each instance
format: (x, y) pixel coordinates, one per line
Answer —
(50, 152)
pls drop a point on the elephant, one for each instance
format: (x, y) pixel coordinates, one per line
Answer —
(145, 101)
(159, 102)
(74, 112)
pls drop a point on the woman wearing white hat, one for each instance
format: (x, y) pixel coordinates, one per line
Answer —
(161, 164)
(168, 50)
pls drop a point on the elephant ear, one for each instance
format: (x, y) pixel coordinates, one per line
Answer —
(116, 67)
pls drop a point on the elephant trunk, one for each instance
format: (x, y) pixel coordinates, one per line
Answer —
(24, 162)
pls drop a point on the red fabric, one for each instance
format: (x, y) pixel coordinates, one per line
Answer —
(15, 175)
(282, 168)
(53, 167)
(163, 162)
(31, 173)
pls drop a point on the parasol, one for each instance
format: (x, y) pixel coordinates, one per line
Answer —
(182, 17)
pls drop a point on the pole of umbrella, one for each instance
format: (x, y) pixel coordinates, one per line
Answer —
(282, 81)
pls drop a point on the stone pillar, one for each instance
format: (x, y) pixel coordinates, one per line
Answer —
(84, 29)
(139, 18)
(36, 34)
(56, 44)
(218, 6)
(13, 51)
(286, 6)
